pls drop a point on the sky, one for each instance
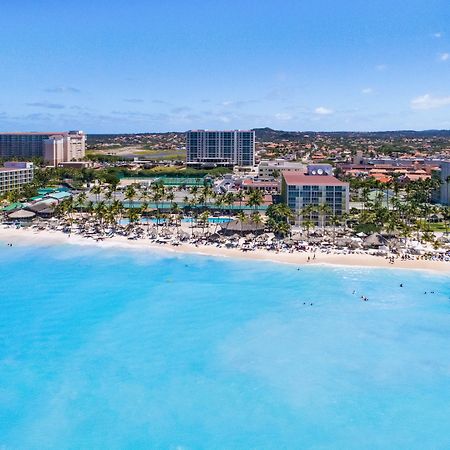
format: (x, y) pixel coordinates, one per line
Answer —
(109, 66)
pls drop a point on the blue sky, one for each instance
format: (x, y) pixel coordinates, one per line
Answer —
(134, 66)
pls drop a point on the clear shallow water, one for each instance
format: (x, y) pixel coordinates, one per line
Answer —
(130, 350)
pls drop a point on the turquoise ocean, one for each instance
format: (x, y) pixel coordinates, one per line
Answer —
(125, 349)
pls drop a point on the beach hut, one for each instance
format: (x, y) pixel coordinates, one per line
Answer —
(374, 241)
(21, 215)
(237, 226)
(41, 205)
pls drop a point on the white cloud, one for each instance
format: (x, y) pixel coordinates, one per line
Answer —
(381, 67)
(427, 101)
(367, 90)
(322, 111)
(437, 35)
(46, 105)
(63, 90)
(444, 56)
(283, 116)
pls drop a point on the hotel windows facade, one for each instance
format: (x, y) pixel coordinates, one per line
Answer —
(220, 148)
(317, 203)
(14, 175)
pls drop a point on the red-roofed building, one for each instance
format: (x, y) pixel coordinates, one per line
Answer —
(303, 192)
(271, 187)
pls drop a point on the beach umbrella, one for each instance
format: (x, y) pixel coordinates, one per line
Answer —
(374, 240)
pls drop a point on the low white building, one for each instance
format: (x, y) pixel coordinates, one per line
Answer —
(14, 175)
(267, 168)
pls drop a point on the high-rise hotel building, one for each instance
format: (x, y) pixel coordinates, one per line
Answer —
(220, 148)
(54, 148)
(14, 175)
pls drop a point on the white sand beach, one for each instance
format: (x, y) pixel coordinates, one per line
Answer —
(33, 237)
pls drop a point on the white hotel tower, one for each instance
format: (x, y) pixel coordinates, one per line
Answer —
(220, 148)
(53, 147)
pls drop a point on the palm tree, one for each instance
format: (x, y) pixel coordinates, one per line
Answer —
(240, 196)
(335, 221)
(90, 208)
(447, 180)
(256, 218)
(81, 200)
(204, 217)
(175, 210)
(229, 201)
(241, 216)
(134, 215)
(108, 194)
(365, 196)
(306, 213)
(194, 190)
(117, 209)
(97, 190)
(446, 215)
(100, 212)
(206, 192)
(255, 199)
(130, 194)
(307, 225)
(156, 198)
(170, 196)
(113, 186)
(324, 211)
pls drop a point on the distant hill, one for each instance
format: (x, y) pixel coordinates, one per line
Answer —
(268, 134)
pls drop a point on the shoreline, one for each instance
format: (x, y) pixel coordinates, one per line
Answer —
(25, 236)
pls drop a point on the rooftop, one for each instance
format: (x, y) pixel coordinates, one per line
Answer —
(260, 183)
(298, 178)
(39, 133)
(13, 169)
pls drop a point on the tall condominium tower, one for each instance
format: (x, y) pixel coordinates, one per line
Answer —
(52, 147)
(220, 148)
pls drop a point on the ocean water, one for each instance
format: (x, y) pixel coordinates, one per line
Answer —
(116, 349)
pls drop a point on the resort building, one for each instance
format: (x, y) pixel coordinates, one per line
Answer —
(442, 195)
(268, 169)
(220, 148)
(14, 175)
(268, 187)
(313, 197)
(53, 147)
